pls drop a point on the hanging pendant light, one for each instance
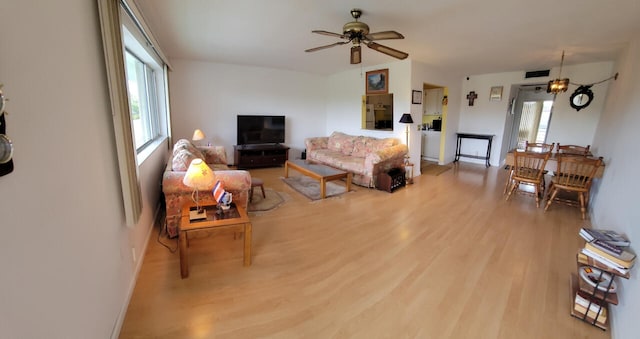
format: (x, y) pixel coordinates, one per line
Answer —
(558, 85)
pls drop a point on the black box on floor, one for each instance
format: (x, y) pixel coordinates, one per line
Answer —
(391, 180)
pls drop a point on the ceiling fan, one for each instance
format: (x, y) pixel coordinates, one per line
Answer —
(357, 32)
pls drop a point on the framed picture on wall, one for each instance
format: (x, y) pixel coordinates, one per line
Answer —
(377, 82)
(496, 93)
(416, 97)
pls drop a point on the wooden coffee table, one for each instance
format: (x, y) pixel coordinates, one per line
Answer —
(319, 172)
(235, 217)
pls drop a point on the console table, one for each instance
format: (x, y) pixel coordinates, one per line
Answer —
(488, 137)
(252, 156)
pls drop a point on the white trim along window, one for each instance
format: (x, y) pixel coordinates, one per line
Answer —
(138, 90)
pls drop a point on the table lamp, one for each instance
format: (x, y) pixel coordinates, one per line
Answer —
(198, 135)
(199, 177)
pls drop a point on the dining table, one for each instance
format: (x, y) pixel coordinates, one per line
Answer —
(552, 163)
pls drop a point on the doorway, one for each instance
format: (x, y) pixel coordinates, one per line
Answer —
(433, 124)
(530, 117)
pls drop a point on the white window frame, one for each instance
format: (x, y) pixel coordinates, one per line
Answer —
(111, 21)
(155, 114)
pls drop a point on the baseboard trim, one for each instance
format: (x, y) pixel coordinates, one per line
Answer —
(117, 327)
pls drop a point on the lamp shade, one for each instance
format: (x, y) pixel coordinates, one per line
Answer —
(199, 176)
(406, 119)
(198, 135)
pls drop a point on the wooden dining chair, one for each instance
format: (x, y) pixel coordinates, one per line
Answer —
(574, 149)
(528, 169)
(574, 174)
(531, 147)
(539, 147)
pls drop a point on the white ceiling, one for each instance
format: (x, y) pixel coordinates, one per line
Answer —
(462, 36)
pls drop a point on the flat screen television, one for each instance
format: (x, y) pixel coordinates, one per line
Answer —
(260, 129)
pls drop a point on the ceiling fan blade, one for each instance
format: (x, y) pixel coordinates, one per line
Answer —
(326, 46)
(388, 50)
(329, 34)
(356, 55)
(386, 35)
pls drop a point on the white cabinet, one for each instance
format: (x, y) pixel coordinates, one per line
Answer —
(431, 145)
(423, 149)
(433, 101)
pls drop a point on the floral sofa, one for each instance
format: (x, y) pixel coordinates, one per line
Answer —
(365, 157)
(176, 194)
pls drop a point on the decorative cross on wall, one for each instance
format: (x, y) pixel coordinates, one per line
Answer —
(472, 96)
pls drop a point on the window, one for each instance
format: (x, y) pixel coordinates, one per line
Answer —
(145, 78)
(143, 101)
(137, 76)
(534, 121)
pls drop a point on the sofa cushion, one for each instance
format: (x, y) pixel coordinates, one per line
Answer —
(360, 149)
(336, 159)
(184, 144)
(182, 159)
(375, 145)
(341, 142)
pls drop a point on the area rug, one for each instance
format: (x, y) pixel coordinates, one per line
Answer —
(435, 169)
(272, 200)
(310, 188)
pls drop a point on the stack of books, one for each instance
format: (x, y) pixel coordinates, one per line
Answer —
(597, 309)
(607, 249)
(612, 237)
(605, 255)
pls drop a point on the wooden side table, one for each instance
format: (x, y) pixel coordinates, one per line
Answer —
(236, 217)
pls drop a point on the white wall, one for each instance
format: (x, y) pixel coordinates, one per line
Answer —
(209, 96)
(344, 101)
(344, 107)
(65, 252)
(615, 198)
(568, 126)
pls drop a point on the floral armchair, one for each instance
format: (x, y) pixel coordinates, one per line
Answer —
(176, 194)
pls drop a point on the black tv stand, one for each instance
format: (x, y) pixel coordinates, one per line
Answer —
(260, 155)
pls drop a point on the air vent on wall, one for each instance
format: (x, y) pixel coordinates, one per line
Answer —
(537, 74)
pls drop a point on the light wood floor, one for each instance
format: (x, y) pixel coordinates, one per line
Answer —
(445, 257)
